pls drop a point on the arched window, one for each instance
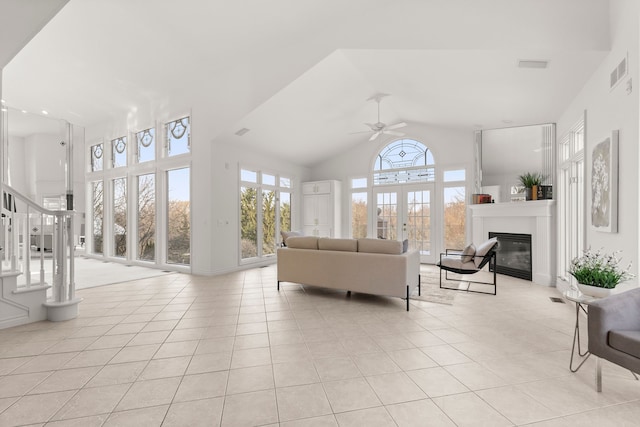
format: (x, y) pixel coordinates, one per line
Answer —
(403, 161)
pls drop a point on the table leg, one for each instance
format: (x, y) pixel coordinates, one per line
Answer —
(576, 339)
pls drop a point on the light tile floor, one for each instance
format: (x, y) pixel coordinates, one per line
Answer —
(182, 350)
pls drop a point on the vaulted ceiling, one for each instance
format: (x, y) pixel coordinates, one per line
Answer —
(297, 73)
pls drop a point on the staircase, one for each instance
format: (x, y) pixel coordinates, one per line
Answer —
(28, 232)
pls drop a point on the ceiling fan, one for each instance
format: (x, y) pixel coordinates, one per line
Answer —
(379, 128)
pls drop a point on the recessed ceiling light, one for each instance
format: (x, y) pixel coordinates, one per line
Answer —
(242, 131)
(45, 112)
(2, 101)
(532, 63)
(24, 111)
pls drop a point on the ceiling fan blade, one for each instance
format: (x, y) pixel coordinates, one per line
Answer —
(372, 126)
(362, 131)
(392, 132)
(375, 135)
(397, 125)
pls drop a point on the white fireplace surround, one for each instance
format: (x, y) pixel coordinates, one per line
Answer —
(536, 217)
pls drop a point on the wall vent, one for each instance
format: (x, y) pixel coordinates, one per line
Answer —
(618, 73)
(532, 63)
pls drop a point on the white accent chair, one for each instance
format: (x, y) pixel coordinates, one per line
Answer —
(468, 261)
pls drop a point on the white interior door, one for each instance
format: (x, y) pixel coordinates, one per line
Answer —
(404, 212)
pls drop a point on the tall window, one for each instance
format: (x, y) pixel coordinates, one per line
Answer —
(178, 136)
(147, 217)
(571, 198)
(265, 210)
(454, 208)
(179, 217)
(119, 152)
(285, 211)
(97, 197)
(146, 145)
(248, 222)
(359, 198)
(142, 223)
(120, 217)
(97, 152)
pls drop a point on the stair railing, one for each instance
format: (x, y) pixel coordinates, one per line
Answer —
(26, 226)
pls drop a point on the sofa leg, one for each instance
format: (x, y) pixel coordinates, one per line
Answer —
(278, 284)
(598, 375)
(348, 293)
(407, 297)
(419, 287)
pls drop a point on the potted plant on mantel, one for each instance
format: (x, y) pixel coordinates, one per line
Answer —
(598, 273)
(531, 181)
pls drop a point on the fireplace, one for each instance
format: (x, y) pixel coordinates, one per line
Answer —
(513, 256)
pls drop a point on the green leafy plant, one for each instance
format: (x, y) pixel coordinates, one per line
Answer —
(530, 179)
(599, 269)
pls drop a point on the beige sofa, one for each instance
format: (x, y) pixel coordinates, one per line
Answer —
(371, 266)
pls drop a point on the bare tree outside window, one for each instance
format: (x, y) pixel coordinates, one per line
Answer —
(358, 215)
(120, 217)
(146, 217)
(179, 217)
(454, 217)
(249, 222)
(98, 216)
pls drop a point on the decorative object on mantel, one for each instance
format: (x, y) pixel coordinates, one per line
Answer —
(531, 181)
(598, 273)
(518, 193)
(545, 192)
(477, 198)
(604, 185)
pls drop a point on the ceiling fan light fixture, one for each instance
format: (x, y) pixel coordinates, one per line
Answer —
(379, 127)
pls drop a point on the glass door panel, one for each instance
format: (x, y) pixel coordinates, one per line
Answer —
(387, 215)
(404, 212)
(417, 225)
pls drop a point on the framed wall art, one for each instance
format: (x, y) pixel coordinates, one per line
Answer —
(604, 185)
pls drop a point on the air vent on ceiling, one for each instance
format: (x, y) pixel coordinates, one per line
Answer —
(242, 131)
(532, 63)
(618, 73)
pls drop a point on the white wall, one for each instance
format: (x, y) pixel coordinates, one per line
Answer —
(614, 110)
(451, 148)
(45, 166)
(17, 171)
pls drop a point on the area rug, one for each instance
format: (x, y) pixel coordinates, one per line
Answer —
(430, 287)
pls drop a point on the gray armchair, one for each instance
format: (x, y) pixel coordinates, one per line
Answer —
(614, 331)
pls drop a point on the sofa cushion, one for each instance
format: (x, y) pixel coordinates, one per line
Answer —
(286, 234)
(455, 263)
(468, 253)
(379, 246)
(302, 242)
(484, 249)
(329, 244)
(626, 342)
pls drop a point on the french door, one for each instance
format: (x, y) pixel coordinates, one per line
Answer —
(405, 212)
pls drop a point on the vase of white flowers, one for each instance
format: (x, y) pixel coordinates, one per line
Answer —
(599, 273)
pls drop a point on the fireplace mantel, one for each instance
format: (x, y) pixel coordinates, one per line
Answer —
(536, 217)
